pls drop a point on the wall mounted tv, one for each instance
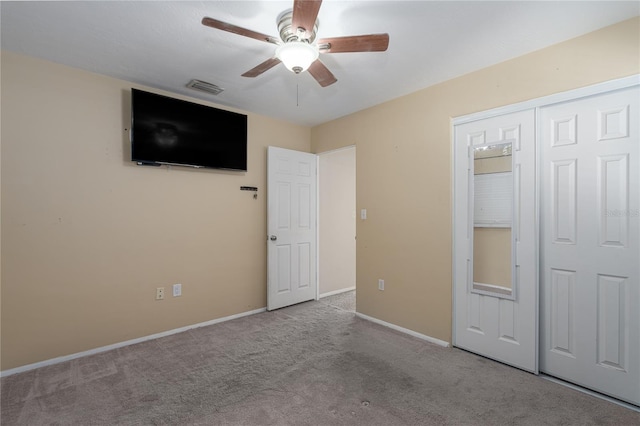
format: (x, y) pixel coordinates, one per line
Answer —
(171, 131)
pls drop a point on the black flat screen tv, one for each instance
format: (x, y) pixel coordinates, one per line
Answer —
(171, 131)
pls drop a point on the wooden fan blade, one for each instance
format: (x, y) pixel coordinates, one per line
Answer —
(304, 16)
(224, 26)
(321, 73)
(361, 43)
(266, 65)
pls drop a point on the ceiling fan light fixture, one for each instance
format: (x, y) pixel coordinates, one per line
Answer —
(297, 56)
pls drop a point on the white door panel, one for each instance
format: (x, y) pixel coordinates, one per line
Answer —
(291, 224)
(502, 328)
(590, 237)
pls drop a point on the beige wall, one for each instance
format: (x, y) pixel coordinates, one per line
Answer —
(87, 235)
(337, 230)
(404, 168)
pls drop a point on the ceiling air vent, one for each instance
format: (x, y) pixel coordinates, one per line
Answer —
(203, 86)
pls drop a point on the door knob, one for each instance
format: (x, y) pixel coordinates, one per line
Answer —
(273, 238)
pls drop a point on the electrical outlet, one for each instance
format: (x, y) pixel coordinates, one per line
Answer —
(159, 293)
(380, 284)
(177, 290)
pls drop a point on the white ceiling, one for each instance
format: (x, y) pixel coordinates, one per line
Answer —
(162, 44)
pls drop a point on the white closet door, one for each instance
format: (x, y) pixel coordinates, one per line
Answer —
(490, 325)
(590, 237)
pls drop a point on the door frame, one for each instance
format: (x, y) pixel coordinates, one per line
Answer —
(536, 104)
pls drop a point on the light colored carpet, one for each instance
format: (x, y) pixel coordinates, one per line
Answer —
(309, 364)
(345, 301)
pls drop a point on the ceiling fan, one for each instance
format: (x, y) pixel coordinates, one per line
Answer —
(296, 47)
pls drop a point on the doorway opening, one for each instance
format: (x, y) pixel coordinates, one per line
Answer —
(337, 226)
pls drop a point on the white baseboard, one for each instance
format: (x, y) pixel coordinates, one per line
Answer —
(405, 330)
(60, 359)
(333, 293)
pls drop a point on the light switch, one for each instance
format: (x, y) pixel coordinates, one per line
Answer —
(363, 214)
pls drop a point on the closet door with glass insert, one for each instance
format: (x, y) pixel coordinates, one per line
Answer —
(495, 287)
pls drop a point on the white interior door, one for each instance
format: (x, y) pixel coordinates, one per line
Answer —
(499, 326)
(590, 234)
(291, 225)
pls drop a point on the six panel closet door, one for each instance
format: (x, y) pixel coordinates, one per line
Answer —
(590, 260)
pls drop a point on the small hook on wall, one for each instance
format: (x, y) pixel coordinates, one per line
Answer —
(251, 188)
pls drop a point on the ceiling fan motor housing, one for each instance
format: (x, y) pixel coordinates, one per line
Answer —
(288, 33)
